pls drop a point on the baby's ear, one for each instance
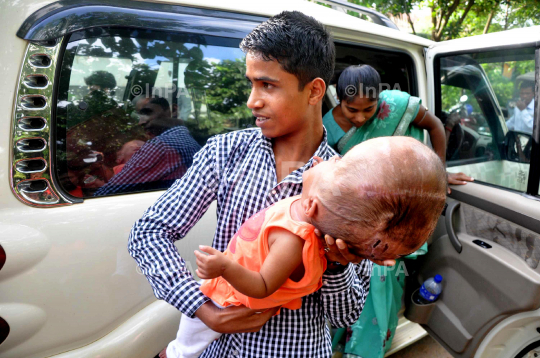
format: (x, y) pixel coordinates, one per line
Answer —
(309, 206)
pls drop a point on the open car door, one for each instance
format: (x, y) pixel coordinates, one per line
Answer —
(487, 242)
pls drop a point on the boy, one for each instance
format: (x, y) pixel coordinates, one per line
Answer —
(289, 61)
(276, 258)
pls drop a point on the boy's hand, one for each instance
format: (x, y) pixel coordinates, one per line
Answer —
(338, 251)
(234, 319)
(212, 265)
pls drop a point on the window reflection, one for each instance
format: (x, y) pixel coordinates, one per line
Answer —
(134, 107)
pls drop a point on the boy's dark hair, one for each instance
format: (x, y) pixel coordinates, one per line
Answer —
(358, 80)
(102, 79)
(298, 42)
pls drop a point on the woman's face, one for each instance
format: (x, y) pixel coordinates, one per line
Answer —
(359, 110)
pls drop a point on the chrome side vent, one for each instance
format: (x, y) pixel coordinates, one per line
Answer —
(31, 145)
(31, 177)
(40, 60)
(29, 166)
(36, 81)
(34, 102)
(32, 124)
(37, 192)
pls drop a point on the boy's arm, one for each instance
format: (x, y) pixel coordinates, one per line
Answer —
(344, 293)
(284, 257)
(151, 241)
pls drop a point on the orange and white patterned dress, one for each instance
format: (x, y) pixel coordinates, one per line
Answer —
(249, 247)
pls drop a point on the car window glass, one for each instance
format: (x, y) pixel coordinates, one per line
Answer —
(485, 104)
(135, 106)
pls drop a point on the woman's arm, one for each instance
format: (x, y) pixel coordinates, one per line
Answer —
(284, 257)
(426, 120)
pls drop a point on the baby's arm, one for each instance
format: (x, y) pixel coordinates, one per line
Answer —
(284, 257)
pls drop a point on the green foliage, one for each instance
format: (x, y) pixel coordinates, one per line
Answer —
(460, 18)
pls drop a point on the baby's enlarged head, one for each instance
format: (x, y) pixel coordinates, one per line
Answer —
(384, 197)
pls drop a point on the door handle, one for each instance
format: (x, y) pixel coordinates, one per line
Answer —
(450, 228)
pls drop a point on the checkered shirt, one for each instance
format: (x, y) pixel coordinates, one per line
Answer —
(238, 170)
(157, 165)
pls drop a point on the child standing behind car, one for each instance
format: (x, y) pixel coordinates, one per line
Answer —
(368, 198)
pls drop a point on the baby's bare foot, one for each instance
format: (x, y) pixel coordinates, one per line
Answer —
(163, 353)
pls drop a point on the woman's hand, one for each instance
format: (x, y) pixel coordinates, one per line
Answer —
(234, 319)
(457, 179)
(212, 265)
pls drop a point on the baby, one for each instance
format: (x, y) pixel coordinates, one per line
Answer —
(383, 199)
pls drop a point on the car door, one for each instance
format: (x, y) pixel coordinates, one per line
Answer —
(487, 242)
(98, 83)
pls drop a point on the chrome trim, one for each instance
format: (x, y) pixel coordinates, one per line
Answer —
(20, 166)
(44, 196)
(21, 180)
(24, 98)
(24, 124)
(28, 78)
(20, 145)
(42, 55)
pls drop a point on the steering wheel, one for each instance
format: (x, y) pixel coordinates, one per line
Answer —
(455, 141)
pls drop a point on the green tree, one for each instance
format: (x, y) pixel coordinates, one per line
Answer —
(460, 18)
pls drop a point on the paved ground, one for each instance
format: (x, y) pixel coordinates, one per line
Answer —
(425, 348)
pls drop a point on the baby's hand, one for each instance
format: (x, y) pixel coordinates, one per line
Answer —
(212, 265)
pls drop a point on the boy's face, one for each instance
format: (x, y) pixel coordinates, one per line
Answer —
(280, 108)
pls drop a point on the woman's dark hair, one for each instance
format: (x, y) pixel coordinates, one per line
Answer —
(102, 79)
(301, 45)
(361, 80)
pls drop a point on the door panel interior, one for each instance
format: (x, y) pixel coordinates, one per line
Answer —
(495, 276)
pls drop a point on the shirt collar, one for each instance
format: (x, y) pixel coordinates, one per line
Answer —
(531, 105)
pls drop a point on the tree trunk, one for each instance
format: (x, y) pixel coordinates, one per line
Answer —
(411, 23)
(445, 18)
(490, 18)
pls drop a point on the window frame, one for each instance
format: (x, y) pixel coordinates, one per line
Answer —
(533, 180)
(57, 165)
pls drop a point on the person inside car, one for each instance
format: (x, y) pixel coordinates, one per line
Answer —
(523, 117)
(289, 62)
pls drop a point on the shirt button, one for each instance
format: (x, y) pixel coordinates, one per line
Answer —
(235, 352)
(274, 192)
(325, 282)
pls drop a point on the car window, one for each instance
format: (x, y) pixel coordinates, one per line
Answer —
(135, 106)
(485, 102)
(395, 68)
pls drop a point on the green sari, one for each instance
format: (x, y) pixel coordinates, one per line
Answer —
(371, 336)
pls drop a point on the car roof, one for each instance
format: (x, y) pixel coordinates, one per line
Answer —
(330, 17)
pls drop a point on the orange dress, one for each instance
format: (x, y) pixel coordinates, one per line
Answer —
(249, 247)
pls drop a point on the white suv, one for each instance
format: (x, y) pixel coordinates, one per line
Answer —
(71, 72)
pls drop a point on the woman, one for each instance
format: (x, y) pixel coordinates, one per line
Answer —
(364, 113)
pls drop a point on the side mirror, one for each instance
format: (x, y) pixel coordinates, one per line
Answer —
(518, 146)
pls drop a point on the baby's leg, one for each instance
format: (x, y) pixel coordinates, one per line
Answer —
(192, 339)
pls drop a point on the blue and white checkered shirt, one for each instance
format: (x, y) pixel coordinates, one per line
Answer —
(238, 170)
(157, 165)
